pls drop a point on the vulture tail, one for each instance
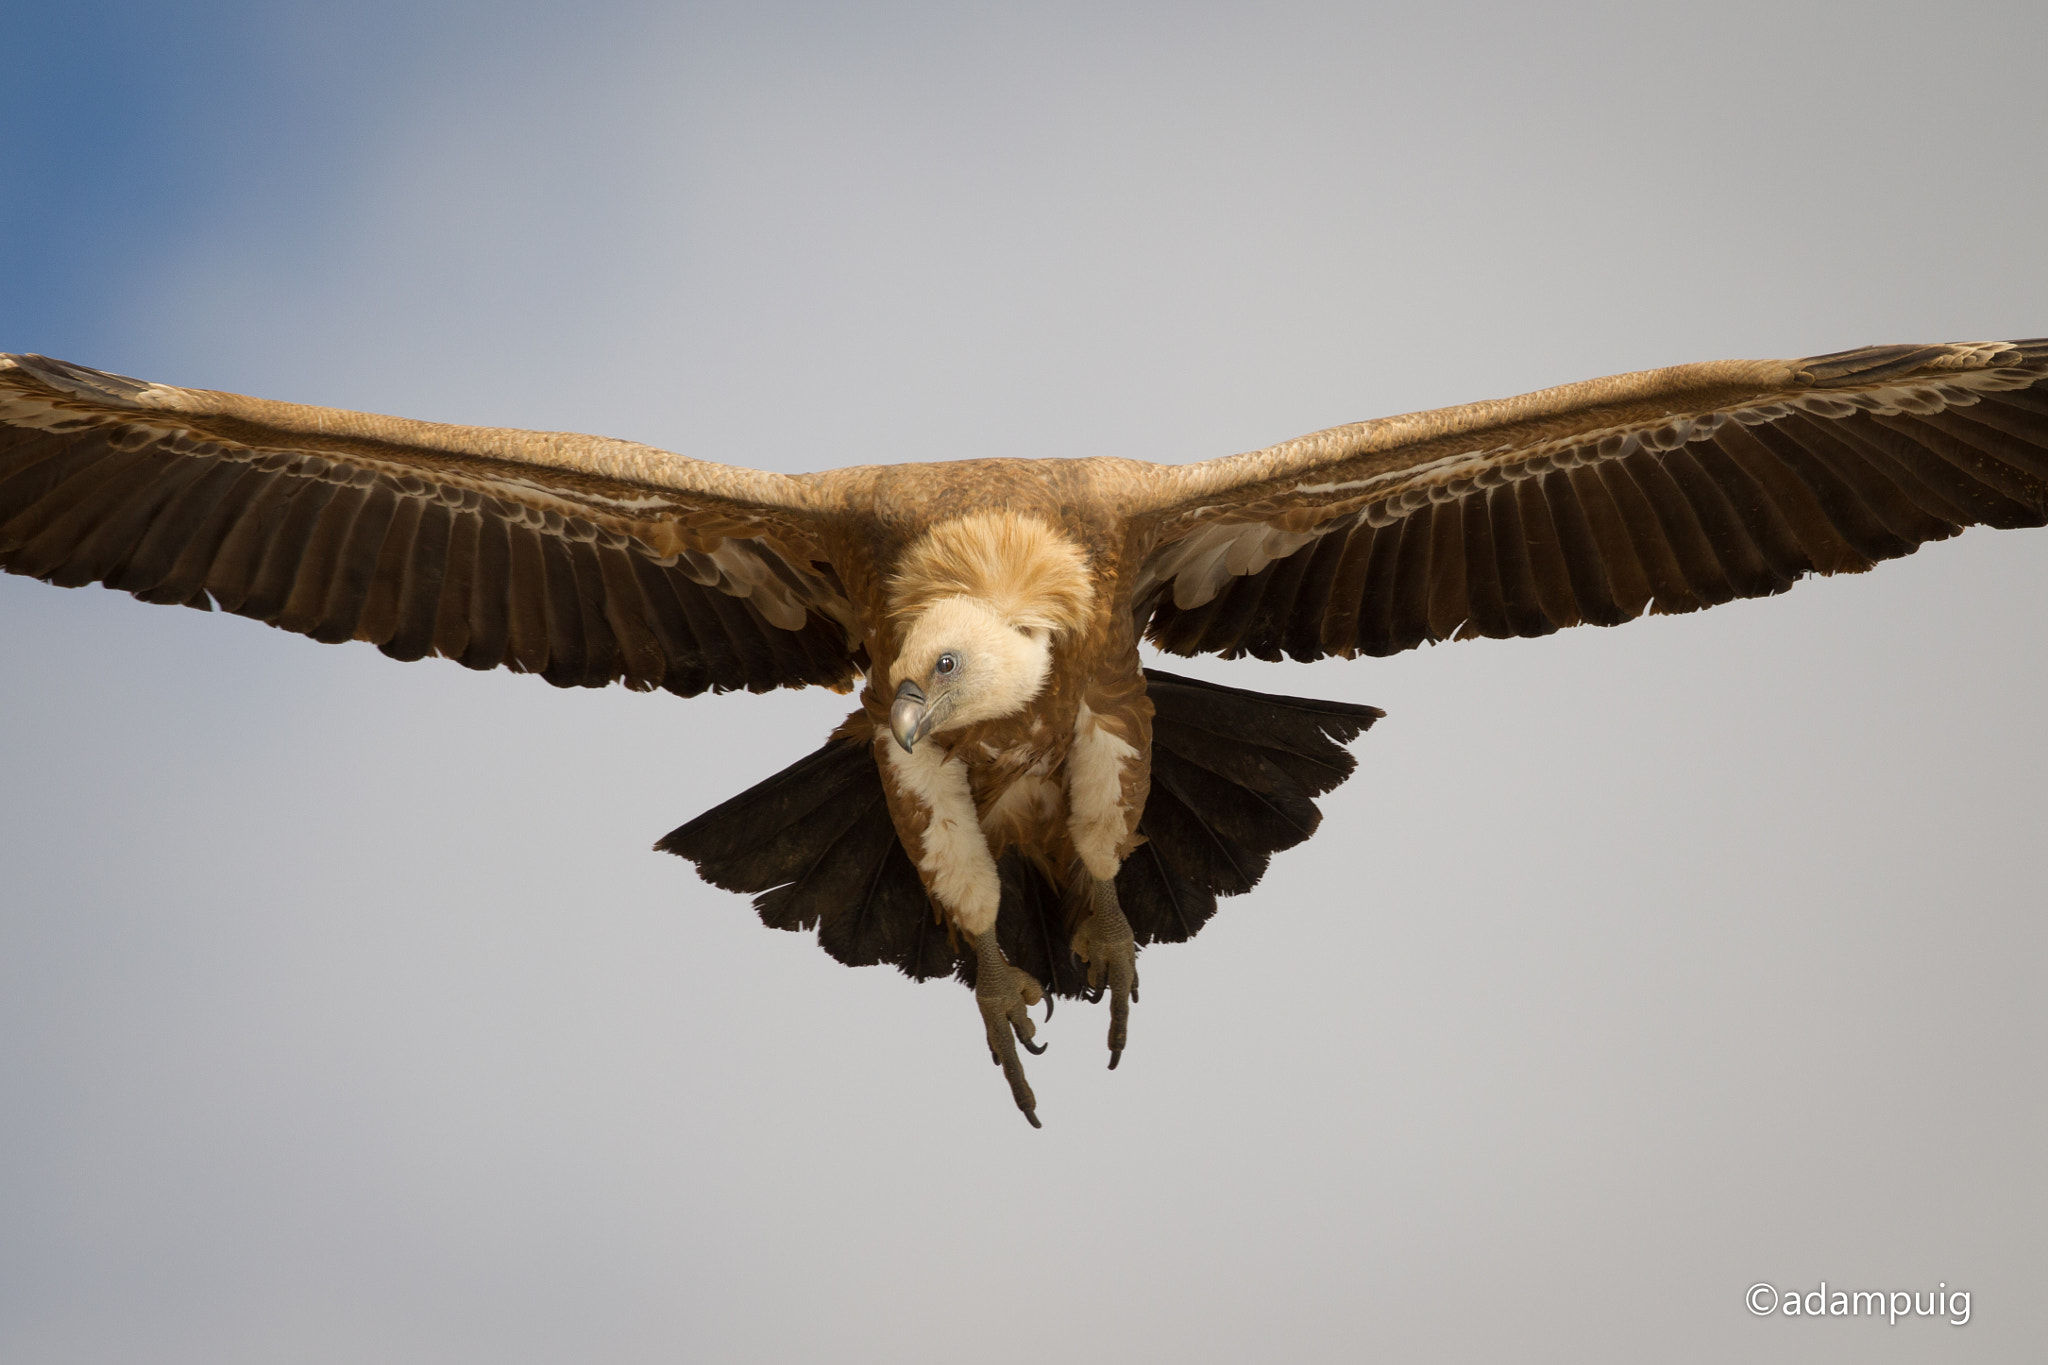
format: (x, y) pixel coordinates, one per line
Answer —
(1233, 774)
(814, 845)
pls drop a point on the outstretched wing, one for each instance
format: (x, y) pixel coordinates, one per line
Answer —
(1663, 491)
(584, 560)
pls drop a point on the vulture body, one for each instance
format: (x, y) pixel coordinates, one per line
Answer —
(1017, 801)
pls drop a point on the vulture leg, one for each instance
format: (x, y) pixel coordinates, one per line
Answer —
(1104, 942)
(1004, 994)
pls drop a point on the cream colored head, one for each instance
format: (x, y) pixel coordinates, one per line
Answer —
(980, 601)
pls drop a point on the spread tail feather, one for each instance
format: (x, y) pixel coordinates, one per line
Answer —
(1233, 777)
(1234, 774)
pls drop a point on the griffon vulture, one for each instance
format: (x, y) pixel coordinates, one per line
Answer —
(1017, 801)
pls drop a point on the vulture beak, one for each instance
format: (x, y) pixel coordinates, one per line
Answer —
(910, 718)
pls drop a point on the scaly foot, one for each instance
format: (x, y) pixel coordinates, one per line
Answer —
(1005, 994)
(1104, 942)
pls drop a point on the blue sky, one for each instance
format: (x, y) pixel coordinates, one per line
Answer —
(344, 1013)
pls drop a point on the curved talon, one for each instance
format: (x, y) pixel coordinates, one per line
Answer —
(1048, 1007)
(1004, 995)
(1033, 1048)
(1112, 956)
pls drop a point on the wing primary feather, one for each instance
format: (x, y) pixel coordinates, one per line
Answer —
(1846, 511)
(1375, 607)
(492, 588)
(1305, 640)
(1950, 444)
(1937, 488)
(1547, 569)
(451, 632)
(600, 646)
(1669, 591)
(183, 519)
(271, 585)
(34, 467)
(748, 631)
(1585, 567)
(46, 478)
(1409, 623)
(1482, 574)
(355, 562)
(1627, 579)
(814, 654)
(1803, 505)
(683, 659)
(1665, 491)
(1346, 593)
(233, 571)
(419, 596)
(1450, 605)
(305, 600)
(1728, 539)
(568, 655)
(527, 600)
(261, 509)
(1186, 630)
(822, 641)
(1698, 566)
(48, 532)
(387, 577)
(2017, 436)
(1906, 525)
(724, 668)
(1519, 602)
(626, 613)
(1232, 616)
(1269, 636)
(1769, 530)
(103, 553)
(790, 653)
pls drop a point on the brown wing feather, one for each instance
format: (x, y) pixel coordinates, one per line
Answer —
(1666, 491)
(586, 561)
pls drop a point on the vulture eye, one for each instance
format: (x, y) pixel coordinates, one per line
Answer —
(947, 665)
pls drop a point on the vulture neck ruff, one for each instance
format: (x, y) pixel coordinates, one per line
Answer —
(1031, 576)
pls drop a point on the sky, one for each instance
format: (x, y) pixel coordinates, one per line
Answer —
(345, 1013)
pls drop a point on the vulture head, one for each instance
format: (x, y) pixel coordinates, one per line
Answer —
(964, 662)
(979, 602)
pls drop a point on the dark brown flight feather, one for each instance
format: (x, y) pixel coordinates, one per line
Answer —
(1665, 492)
(378, 531)
(589, 561)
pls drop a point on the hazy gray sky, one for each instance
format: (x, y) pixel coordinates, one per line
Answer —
(345, 1014)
